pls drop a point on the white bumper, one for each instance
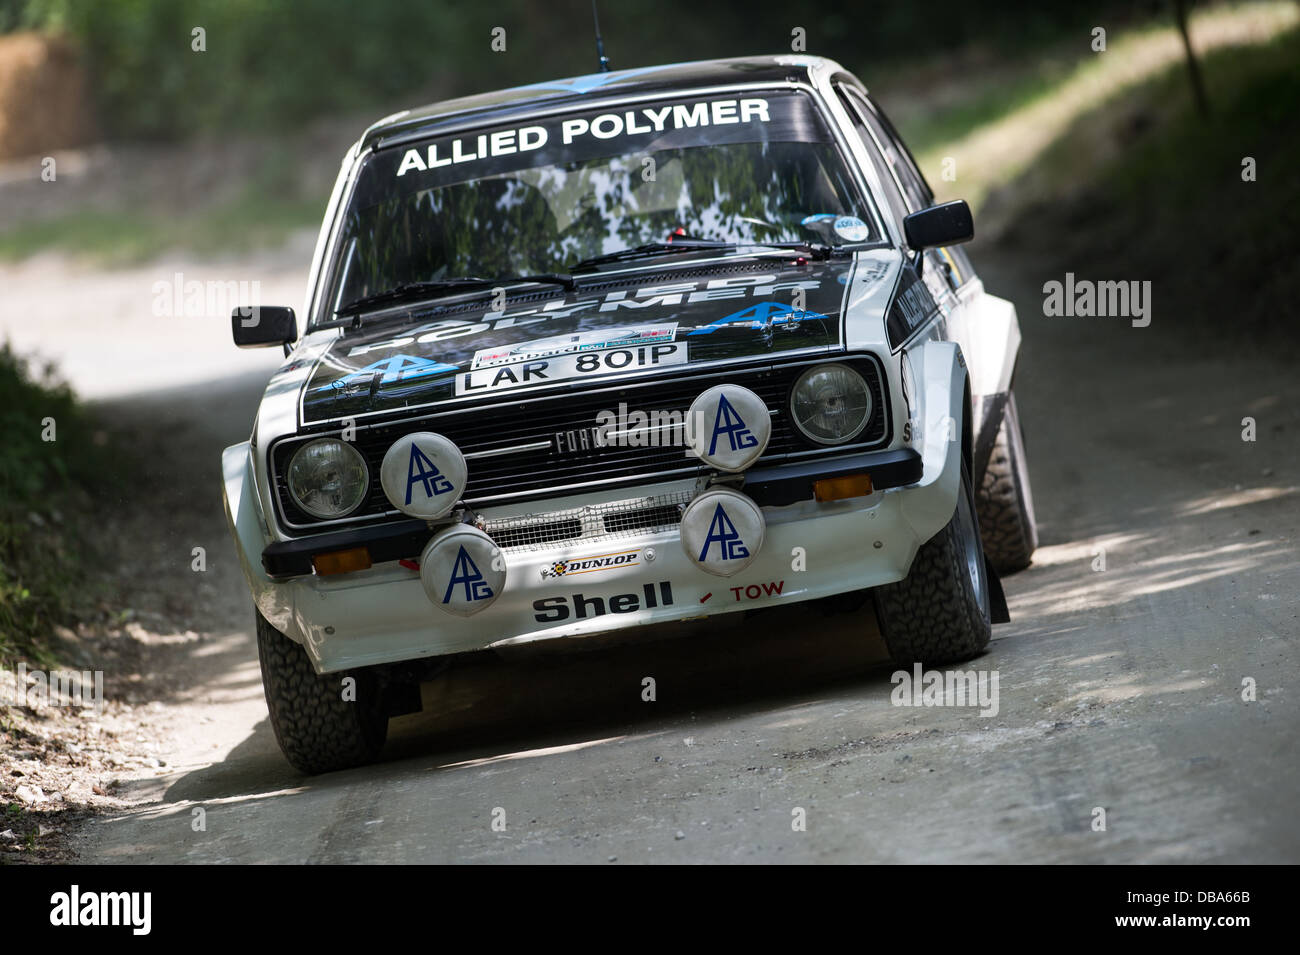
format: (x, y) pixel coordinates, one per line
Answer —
(382, 615)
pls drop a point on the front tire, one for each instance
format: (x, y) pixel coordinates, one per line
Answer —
(1004, 500)
(939, 613)
(317, 728)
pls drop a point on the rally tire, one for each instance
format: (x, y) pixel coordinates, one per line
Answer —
(1004, 499)
(939, 613)
(318, 731)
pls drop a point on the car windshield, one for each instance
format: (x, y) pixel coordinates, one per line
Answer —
(539, 197)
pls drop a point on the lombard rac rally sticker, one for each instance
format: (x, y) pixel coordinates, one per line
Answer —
(852, 229)
(728, 427)
(722, 531)
(462, 570)
(423, 475)
(577, 342)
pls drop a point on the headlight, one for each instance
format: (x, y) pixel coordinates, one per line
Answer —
(831, 404)
(328, 478)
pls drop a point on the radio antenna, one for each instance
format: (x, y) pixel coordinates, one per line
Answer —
(600, 44)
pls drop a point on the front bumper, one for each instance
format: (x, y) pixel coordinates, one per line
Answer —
(812, 550)
(382, 615)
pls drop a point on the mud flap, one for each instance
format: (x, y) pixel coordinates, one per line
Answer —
(998, 612)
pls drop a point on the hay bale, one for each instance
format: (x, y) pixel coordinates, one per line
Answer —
(44, 96)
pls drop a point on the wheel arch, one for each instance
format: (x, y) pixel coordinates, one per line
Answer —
(967, 426)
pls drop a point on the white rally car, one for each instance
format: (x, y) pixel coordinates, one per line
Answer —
(627, 349)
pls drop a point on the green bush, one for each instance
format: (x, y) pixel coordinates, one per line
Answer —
(46, 492)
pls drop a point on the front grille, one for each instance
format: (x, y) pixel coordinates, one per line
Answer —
(643, 519)
(546, 471)
(592, 524)
(523, 534)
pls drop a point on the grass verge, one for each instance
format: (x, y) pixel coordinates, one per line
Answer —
(1000, 125)
(1145, 188)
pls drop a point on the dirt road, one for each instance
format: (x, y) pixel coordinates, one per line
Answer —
(1120, 688)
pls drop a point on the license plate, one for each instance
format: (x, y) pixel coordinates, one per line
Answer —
(588, 364)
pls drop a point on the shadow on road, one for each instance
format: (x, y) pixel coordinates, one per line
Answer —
(487, 707)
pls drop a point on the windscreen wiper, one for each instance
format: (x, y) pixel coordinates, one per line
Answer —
(416, 291)
(649, 249)
(815, 249)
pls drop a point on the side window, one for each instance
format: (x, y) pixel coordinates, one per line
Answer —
(893, 193)
(908, 169)
(907, 190)
(900, 163)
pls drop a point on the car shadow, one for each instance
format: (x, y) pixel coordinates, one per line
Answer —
(487, 706)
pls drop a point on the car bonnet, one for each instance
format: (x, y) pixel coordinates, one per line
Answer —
(454, 351)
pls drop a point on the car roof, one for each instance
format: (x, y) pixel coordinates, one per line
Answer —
(521, 101)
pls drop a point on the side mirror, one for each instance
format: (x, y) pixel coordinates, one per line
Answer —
(259, 326)
(948, 223)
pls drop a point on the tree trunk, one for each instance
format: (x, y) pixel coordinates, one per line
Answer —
(1193, 67)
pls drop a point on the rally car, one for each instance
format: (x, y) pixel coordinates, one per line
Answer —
(627, 349)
